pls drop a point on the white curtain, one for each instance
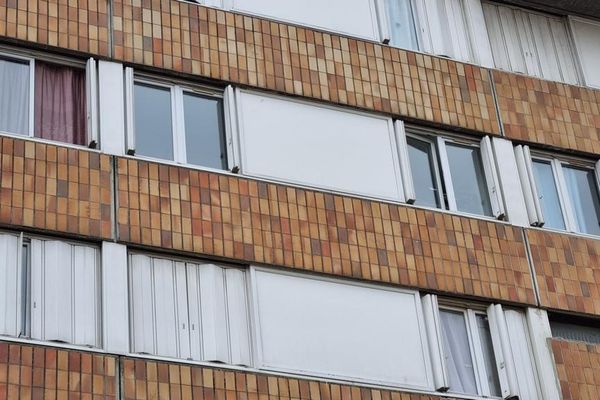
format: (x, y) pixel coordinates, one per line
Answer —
(457, 353)
(14, 97)
(402, 24)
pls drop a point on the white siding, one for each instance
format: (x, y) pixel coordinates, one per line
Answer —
(352, 17)
(316, 145)
(10, 285)
(112, 106)
(325, 328)
(587, 40)
(115, 316)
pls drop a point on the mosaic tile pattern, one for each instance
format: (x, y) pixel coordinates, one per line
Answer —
(168, 381)
(578, 367)
(55, 188)
(549, 113)
(79, 25)
(567, 269)
(38, 372)
(215, 44)
(226, 216)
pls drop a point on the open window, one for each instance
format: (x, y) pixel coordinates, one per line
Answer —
(175, 122)
(563, 191)
(48, 99)
(188, 310)
(480, 351)
(52, 290)
(530, 42)
(453, 174)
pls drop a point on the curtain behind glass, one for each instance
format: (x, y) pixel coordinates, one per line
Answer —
(583, 192)
(14, 97)
(457, 353)
(402, 24)
(60, 103)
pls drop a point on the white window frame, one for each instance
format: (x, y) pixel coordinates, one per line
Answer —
(177, 90)
(583, 77)
(91, 93)
(443, 176)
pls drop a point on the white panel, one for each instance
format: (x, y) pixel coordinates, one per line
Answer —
(508, 174)
(327, 328)
(491, 177)
(57, 301)
(115, 314)
(142, 305)
(564, 50)
(129, 117)
(353, 17)
(526, 187)
(587, 40)
(424, 33)
(214, 311)
(534, 192)
(540, 333)
(10, 285)
(111, 117)
(516, 53)
(445, 164)
(502, 351)
(237, 310)
(91, 86)
(478, 33)
(496, 36)
(181, 299)
(525, 367)
(407, 180)
(460, 45)
(85, 292)
(231, 128)
(37, 288)
(544, 42)
(165, 308)
(434, 340)
(382, 21)
(320, 146)
(434, 25)
(195, 317)
(527, 42)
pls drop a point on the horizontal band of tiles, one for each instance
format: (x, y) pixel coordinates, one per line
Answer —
(176, 208)
(251, 51)
(549, 113)
(578, 368)
(39, 372)
(78, 25)
(55, 188)
(567, 269)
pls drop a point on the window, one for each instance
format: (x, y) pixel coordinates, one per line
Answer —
(403, 31)
(188, 310)
(575, 328)
(454, 174)
(563, 193)
(48, 100)
(317, 145)
(341, 330)
(171, 122)
(587, 40)
(52, 290)
(530, 42)
(480, 352)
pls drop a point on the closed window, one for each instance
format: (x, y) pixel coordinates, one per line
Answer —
(179, 124)
(188, 310)
(403, 32)
(47, 100)
(564, 193)
(575, 328)
(456, 175)
(530, 42)
(52, 290)
(587, 40)
(314, 326)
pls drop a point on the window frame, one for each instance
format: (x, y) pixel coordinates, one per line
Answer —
(177, 90)
(30, 61)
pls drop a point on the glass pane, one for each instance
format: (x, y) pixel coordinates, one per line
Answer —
(457, 353)
(548, 193)
(580, 333)
(204, 136)
(488, 355)
(422, 161)
(153, 122)
(402, 24)
(468, 179)
(14, 97)
(582, 190)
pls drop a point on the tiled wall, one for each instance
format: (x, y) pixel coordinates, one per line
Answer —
(55, 188)
(549, 113)
(578, 367)
(221, 45)
(201, 212)
(38, 372)
(79, 25)
(567, 269)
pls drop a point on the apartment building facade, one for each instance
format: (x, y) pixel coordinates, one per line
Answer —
(262, 199)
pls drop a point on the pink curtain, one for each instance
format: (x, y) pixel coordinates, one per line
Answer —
(60, 109)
